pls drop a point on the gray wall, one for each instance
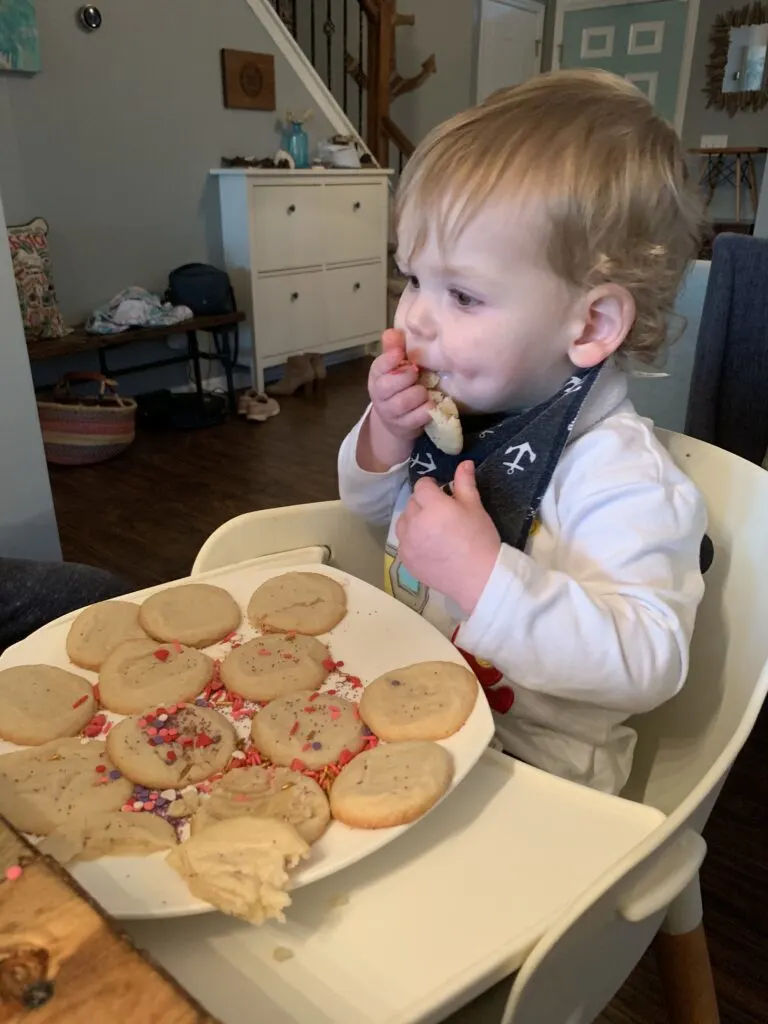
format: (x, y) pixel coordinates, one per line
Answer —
(27, 520)
(447, 29)
(113, 140)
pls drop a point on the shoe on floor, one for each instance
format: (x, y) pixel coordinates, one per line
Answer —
(243, 399)
(261, 408)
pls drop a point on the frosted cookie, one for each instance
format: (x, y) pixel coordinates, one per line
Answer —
(241, 866)
(109, 834)
(298, 602)
(99, 629)
(267, 793)
(273, 666)
(427, 701)
(195, 614)
(170, 748)
(142, 673)
(315, 732)
(445, 429)
(44, 787)
(39, 703)
(392, 784)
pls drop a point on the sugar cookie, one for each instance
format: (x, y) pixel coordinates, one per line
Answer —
(445, 429)
(39, 703)
(172, 747)
(240, 866)
(140, 674)
(99, 629)
(427, 701)
(109, 834)
(298, 602)
(46, 786)
(393, 784)
(273, 666)
(314, 732)
(267, 793)
(195, 614)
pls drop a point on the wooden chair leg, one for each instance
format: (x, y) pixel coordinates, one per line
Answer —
(686, 977)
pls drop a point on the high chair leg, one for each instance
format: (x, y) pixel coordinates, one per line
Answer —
(686, 976)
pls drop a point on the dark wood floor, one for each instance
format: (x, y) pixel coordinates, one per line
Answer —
(146, 514)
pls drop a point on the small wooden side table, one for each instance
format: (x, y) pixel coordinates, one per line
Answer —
(730, 165)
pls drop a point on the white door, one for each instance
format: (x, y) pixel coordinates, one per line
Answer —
(509, 51)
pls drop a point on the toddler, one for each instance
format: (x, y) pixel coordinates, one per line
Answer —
(544, 236)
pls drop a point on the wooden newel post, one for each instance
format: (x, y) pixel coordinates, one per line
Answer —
(380, 55)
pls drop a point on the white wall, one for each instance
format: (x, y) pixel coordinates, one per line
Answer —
(447, 29)
(27, 520)
(116, 135)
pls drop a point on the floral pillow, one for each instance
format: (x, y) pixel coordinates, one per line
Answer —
(34, 283)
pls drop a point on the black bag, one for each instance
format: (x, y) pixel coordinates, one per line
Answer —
(205, 289)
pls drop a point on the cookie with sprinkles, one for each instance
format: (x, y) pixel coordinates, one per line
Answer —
(427, 701)
(99, 629)
(39, 703)
(298, 602)
(43, 787)
(392, 784)
(195, 614)
(169, 747)
(142, 673)
(273, 666)
(308, 732)
(267, 793)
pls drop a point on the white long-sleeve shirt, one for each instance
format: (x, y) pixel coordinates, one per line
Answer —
(592, 623)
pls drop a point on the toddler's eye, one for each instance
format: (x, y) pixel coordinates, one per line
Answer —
(464, 300)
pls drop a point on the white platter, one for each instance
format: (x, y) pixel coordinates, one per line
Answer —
(377, 635)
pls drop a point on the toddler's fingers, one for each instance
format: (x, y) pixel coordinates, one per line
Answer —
(388, 385)
(393, 341)
(415, 421)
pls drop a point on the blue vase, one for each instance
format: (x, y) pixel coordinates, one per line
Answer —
(297, 144)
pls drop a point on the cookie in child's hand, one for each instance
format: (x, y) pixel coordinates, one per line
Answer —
(393, 784)
(445, 429)
(427, 701)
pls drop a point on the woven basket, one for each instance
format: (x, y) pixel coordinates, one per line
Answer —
(79, 430)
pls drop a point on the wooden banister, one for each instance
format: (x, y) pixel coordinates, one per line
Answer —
(397, 136)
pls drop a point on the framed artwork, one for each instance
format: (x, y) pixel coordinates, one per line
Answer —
(19, 49)
(248, 79)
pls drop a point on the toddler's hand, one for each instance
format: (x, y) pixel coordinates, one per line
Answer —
(399, 403)
(449, 542)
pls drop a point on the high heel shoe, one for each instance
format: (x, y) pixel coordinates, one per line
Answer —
(299, 373)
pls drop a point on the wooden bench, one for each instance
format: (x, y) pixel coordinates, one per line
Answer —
(223, 329)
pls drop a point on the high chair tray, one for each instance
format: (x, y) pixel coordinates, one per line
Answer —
(422, 926)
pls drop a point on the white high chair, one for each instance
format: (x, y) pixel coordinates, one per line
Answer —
(684, 753)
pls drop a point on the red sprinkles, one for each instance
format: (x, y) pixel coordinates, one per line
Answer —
(80, 700)
(162, 654)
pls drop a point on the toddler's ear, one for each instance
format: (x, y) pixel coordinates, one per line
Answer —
(609, 318)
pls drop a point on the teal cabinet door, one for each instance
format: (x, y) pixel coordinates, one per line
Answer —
(641, 42)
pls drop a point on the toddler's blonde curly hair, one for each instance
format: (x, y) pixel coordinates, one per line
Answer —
(611, 171)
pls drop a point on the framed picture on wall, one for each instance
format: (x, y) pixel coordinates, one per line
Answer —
(19, 50)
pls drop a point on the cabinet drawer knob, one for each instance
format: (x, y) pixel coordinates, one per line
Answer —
(356, 206)
(356, 286)
(291, 209)
(294, 296)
